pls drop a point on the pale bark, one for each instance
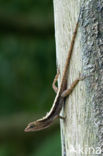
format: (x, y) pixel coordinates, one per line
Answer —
(84, 108)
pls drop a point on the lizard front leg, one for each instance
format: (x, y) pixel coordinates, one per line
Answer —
(55, 88)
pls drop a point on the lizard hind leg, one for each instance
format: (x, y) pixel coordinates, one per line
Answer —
(73, 85)
(55, 88)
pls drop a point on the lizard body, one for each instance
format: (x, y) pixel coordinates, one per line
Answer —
(54, 112)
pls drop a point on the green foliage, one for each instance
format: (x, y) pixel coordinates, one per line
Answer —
(45, 147)
(25, 65)
(27, 69)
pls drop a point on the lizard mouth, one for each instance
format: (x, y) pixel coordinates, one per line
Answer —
(29, 128)
(26, 129)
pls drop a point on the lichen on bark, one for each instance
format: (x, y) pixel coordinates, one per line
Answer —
(92, 55)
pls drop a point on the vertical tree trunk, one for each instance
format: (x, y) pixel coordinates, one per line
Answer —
(82, 131)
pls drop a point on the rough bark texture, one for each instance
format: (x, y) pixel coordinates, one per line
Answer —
(82, 131)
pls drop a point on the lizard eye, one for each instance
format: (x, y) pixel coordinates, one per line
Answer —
(31, 126)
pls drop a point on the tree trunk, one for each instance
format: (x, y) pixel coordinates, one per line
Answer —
(82, 131)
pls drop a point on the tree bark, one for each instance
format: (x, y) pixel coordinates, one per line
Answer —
(82, 131)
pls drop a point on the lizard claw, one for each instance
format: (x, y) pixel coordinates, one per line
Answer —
(81, 77)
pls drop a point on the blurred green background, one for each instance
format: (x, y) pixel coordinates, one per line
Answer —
(27, 69)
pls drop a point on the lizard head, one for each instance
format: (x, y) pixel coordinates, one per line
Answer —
(36, 126)
(31, 127)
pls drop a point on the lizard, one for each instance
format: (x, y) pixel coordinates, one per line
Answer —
(62, 93)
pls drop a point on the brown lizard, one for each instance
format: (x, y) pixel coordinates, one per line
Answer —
(62, 92)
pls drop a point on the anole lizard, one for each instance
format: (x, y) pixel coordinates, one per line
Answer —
(62, 92)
